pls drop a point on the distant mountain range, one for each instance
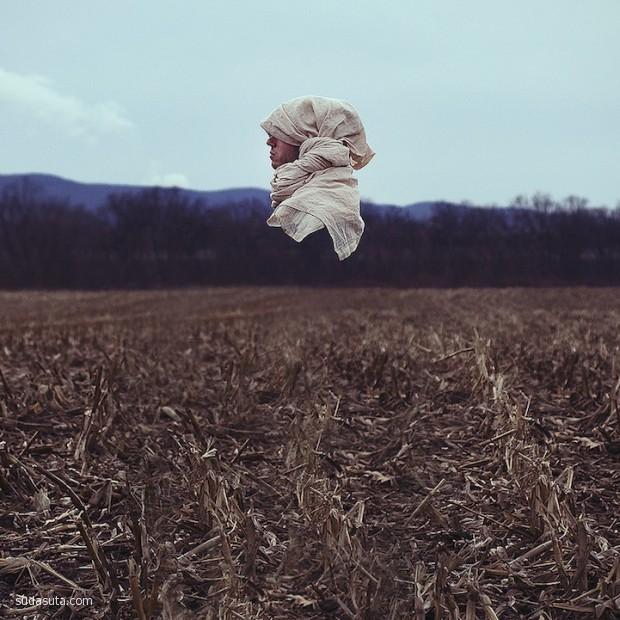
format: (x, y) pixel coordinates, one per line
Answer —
(94, 195)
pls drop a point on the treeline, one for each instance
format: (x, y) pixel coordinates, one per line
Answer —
(159, 238)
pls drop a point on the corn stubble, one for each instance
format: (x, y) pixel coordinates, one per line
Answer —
(291, 453)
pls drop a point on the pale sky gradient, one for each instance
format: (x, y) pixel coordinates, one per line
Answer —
(479, 100)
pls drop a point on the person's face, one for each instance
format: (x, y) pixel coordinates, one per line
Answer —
(281, 152)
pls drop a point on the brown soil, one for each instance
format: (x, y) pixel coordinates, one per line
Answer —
(295, 453)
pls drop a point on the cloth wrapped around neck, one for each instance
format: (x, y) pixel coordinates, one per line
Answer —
(318, 189)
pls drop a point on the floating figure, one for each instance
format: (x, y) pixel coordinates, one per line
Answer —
(316, 143)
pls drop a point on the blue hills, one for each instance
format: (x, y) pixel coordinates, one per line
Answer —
(94, 195)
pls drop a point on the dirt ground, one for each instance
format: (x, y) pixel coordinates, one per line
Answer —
(291, 453)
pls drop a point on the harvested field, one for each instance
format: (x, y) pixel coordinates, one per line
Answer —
(294, 453)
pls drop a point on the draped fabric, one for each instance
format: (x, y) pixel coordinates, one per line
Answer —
(318, 189)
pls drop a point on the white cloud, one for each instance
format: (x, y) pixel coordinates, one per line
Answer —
(172, 179)
(36, 95)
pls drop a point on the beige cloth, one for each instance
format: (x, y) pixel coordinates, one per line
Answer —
(318, 189)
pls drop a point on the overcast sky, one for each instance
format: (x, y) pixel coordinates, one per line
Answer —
(479, 100)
